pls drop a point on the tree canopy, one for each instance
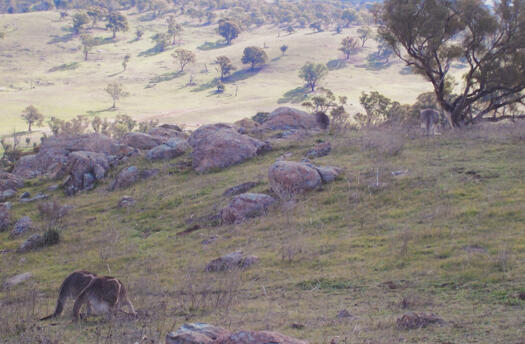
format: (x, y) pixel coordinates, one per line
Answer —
(254, 56)
(312, 73)
(431, 35)
(229, 30)
(183, 57)
(225, 66)
(117, 22)
(31, 115)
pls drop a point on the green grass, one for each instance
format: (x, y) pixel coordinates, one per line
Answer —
(331, 250)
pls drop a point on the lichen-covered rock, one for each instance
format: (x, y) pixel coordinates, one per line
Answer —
(142, 141)
(319, 150)
(220, 145)
(196, 333)
(23, 225)
(173, 148)
(246, 206)
(168, 131)
(234, 260)
(257, 337)
(285, 118)
(84, 169)
(289, 178)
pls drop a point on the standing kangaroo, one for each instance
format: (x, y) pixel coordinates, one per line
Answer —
(105, 295)
(429, 118)
(72, 286)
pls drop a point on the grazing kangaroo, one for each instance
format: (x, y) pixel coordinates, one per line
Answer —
(104, 295)
(429, 118)
(72, 286)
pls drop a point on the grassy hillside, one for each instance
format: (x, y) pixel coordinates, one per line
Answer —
(41, 63)
(446, 238)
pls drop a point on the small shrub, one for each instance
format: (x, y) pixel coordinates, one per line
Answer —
(51, 237)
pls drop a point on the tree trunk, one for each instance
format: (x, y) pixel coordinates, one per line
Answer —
(114, 34)
(29, 126)
(114, 104)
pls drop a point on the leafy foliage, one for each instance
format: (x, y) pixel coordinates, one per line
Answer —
(225, 66)
(254, 56)
(31, 115)
(183, 57)
(312, 73)
(229, 29)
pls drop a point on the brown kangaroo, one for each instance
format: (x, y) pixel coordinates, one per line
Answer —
(72, 286)
(104, 295)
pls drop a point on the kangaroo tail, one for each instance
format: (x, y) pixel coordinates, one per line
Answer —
(62, 296)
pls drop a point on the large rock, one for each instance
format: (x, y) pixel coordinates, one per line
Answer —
(289, 178)
(5, 216)
(286, 118)
(220, 145)
(173, 148)
(53, 156)
(23, 225)
(142, 141)
(245, 206)
(84, 169)
(196, 333)
(16, 280)
(234, 260)
(257, 337)
(9, 181)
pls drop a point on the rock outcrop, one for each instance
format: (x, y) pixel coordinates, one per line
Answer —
(286, 118)
(234, 260)
(219, 145)
(130, 175)
(52, 159)
(7, 194)
(246, 206)
(289, 178)
(126, 202)
(84, 169)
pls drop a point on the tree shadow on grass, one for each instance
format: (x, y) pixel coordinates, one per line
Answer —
(165, 77)
(61, 39)
(103, 40)
(96, 112)
(239, 75)
(212, 45)
(297, 95)
(151, 52)
(336, 64)
(64, 67)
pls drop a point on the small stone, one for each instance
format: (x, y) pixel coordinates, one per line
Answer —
(15, 280)
(319, 150)
(25, 195)
(344, 314)
(126, 202)
(412, 320)
(5, 195)
(34, 241)
(23, 225)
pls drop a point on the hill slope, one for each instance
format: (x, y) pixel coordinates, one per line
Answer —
(446, 238)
